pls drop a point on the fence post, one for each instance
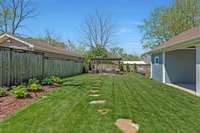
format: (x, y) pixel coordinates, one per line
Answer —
(135, 68)
(10, 67)
(43, 65)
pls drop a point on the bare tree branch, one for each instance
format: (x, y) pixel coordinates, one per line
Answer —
(13, 13)
(98, 31)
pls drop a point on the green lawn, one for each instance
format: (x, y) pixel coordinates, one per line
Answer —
(155, 107)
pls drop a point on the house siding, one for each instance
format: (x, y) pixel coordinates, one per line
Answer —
(157, 68)
(198, 70)
(180, 66)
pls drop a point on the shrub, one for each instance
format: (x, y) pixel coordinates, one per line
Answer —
(19, 91)
(33, 81)
(2, 92)
(46, 81)
(34, 87)
(121, 68)
(55, 79)
(127, 68)
(135, 68)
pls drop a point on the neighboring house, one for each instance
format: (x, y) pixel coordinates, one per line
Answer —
(177, 61)
(16, 42)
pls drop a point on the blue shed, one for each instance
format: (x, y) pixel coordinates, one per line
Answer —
(176, 62)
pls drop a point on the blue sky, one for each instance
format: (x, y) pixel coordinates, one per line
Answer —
(65, 17)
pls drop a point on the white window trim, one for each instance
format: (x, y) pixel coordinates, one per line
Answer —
(163, 68)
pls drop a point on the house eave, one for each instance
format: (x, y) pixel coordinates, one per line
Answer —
(17, 39)
(179, 45)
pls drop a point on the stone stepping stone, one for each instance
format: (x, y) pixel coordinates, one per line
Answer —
(94, 95)
(98, 102)
(103, 111)
(127, 126)
(94, 91)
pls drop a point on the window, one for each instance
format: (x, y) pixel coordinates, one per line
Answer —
(156, 61)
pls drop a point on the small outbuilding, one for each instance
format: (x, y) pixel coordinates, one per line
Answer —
(177, 61)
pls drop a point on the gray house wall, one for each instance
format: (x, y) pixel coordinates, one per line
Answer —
(157, 68)
(180, 66)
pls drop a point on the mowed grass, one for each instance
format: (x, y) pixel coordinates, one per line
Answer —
(157, 108)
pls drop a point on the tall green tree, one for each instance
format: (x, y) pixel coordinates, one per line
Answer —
(120, 52)
(166, 22)
(153, 29)
(117, 51)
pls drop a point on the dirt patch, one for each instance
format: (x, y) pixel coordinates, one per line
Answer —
(98, 102)
(9, 104)
(94, 95)
(127, 126)
(104, 111)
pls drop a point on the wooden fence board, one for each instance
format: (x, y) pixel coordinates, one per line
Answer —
(17, 66)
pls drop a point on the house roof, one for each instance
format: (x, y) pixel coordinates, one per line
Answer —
(42, 45)
(186, 36)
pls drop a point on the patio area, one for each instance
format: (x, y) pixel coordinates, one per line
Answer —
(180, 67)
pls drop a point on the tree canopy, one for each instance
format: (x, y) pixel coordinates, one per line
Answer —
(120, 52)
(166, 22)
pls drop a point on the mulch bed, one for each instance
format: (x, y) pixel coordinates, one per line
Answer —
(10, 104)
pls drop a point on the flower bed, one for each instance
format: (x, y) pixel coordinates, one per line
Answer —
(10, 104)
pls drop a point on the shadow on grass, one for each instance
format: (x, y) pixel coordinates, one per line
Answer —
(73, 83)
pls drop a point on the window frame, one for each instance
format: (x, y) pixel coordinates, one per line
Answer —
(156, 60)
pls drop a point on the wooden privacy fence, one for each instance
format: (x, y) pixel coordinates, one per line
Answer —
(17, 66)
